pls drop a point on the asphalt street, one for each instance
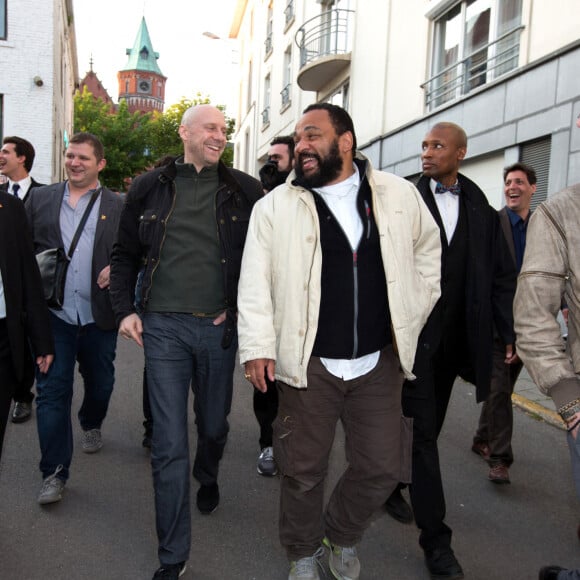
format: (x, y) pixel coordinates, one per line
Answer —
(104, 528)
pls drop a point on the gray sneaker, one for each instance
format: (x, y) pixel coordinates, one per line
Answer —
(92, 441)
(306, 568)
(343, 561)
(52, 488)
(266, 462)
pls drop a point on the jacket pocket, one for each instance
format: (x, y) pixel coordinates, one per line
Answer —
(406, 449)
(283, 428)
(148, 221)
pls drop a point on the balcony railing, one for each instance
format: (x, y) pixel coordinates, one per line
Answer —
(285, 95)
(266, 116)
(327, 34)
(480, 67)
(268, 45)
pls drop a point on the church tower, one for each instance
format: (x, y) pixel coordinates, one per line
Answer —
(141, 82)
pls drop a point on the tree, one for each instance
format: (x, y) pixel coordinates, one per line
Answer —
(126, 137)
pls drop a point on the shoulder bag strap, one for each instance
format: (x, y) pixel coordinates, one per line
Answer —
(84, 219)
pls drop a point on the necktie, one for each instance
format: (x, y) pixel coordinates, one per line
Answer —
(454, 189)
(15, 188)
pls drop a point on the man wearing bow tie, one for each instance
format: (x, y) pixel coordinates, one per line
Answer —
(477, 289)
(16, 159)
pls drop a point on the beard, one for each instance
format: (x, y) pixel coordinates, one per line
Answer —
(328, 170)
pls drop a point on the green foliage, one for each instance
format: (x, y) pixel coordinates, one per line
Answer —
(134, 141)
(126, 137)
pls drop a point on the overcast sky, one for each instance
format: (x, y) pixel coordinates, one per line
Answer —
(190, 61)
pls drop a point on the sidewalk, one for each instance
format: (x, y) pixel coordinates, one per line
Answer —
(529, 398)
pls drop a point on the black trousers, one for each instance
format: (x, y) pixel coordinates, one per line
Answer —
(7, 380)
(266, 410)
(425, 400)
(23, 389)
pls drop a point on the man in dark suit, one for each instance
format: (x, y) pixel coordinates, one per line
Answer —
(85, 328)
(16, 159)
(23, 312)
(477, 288)
(494, 434)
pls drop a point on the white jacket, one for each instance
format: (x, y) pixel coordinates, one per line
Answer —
(279, 290)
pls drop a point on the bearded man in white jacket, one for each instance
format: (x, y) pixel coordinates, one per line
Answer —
(340, 272)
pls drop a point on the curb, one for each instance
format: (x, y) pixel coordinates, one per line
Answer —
(536, 409)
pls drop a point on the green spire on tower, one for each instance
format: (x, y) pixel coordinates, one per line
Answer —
(142, 57)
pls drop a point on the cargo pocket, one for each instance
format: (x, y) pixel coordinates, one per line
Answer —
(282, 430)
(406, 449)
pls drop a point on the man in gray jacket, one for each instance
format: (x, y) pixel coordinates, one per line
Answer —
(84, 330)
(548, 277)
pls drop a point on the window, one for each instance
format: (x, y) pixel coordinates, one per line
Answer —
(267, 95)
(340, 97)
(287, 81)
(2, 19)
(289, 12)
(269, 31)
(249, 95)
(476, 41)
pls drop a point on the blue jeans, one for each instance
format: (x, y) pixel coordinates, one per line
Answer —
(181, 349)
(574, 447)
(95, 350)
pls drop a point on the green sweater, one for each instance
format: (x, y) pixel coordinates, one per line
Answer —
(189, 278)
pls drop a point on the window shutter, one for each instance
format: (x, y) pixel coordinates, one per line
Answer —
(537, 155)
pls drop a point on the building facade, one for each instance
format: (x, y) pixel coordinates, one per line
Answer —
(505, 70)
(92, 83)
(141, 82)
(39, 71)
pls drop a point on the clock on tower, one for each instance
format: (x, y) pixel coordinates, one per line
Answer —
(144, 86)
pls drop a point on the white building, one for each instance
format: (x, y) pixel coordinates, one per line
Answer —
(505, 70)
(39, 69)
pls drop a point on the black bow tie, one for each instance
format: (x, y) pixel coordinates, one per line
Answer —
(454, 189)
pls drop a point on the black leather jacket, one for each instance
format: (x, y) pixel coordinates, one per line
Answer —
(148, 205)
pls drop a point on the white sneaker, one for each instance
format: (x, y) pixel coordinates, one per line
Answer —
(92, 440)
(52, 488)
(343, 561)
(306, 568)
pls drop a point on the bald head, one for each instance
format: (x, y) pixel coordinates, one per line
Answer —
(204, 134)
(442, 151)
(453, 130)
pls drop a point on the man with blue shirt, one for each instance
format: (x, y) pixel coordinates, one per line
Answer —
(494, 434)
(84, 329)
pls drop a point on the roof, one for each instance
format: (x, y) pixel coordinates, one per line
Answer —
(142, 56)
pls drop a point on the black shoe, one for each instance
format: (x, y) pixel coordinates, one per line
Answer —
(170, 571)
(21, 412)
(443, 564)
(550, 572)
(398, 508)
(208, 498)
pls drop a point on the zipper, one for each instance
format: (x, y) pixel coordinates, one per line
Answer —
(355, 292)
(544, 274)
(368, 216)
(146, 299)
(221, 241)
